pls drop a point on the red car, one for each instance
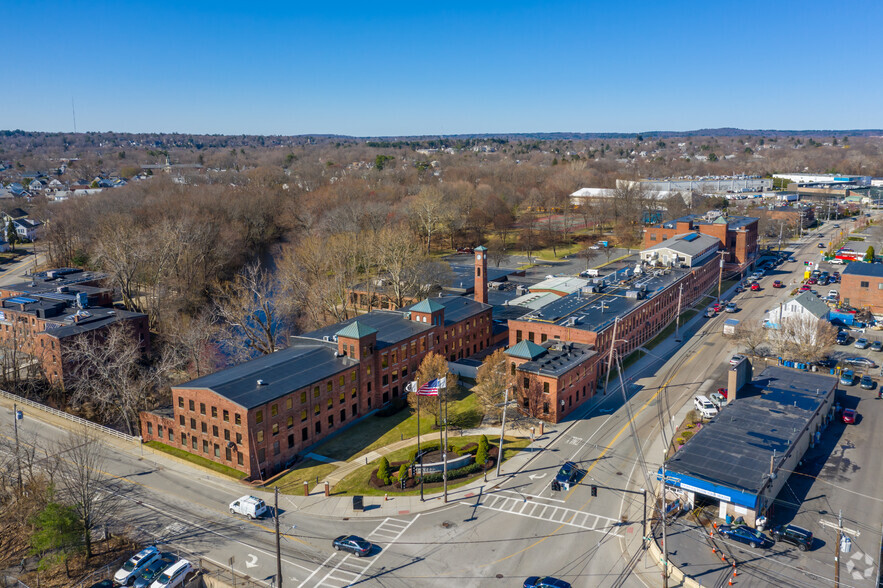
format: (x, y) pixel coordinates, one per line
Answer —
(755, 286)
(812, 281)
(805, 288)
(848, 416)
(722, 392)
(716, 306)
(778, 284)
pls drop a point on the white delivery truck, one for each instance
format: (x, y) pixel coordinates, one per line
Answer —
(253, 508)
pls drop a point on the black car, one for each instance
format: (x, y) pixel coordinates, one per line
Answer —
(153, 571)
(568, 476)
(353, 544)
(103, 584)
(746, 535)
(842, 338)
(866, 383)
(545, 582)
(793, 535)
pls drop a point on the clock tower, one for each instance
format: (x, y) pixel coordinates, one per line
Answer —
(481, 274)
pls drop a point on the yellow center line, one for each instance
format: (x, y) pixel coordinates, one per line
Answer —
(603, 452)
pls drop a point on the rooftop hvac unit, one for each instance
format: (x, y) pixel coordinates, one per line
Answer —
(335, 338)
(572, 321)
(326, 338)
(634, 295)
(261, 383)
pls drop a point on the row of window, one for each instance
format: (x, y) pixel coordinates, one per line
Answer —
(225, 414)
(194, 443)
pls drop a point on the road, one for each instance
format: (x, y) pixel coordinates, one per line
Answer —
(511, 528)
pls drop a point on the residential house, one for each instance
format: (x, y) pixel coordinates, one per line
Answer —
(805, 304)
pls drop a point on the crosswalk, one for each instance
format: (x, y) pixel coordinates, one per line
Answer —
(349, 569)
(549, 512)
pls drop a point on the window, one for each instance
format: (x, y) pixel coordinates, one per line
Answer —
(180, 402)
(530, 336)
(383, 361)
(238, 438)
(385, 379)
(226, 415)
(353, 376)
(202, 408)
(316, 409)
(217, 450)
(238, 419)
(513, 369)
(526, 383)
(214, 412)
(353, 393)
(193, 423)
(262, 455)
(342, 397)
(205, 446)
(318, 428)
(393, 358)
(525, 402)
(192, 405)
(184, 439)
(329, 386)
(395, 375)
(288, 403)
(330, 421)
(304, 434)
(330, 403)
(341, 380)
(227, 453)
(342, 414)
(226, 434)
(545, 387)
(274, 410)
(260, 436)
(239, 458)
(404, 372)
(354, 409)
(150, 428)
(545, 408)
(290, 441)
(863, 284)
(182, 421)
(276, 448)
(316, 392)
(303, 415)
(303, 397)
(193, 442)
(204, 427)
(259, 417)
(214, 430)
(275, 429)
(290, 422)
(518, 336)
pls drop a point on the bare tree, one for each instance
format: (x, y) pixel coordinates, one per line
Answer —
(107, 375)
(192, 340)
(803, 337)
(82, 482)
(753, 339)
(251, 313)
(493, 378)
(428, 210)
(532, 400)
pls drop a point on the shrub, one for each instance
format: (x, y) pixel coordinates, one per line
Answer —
(383, 470)
(452, 474)
(687, 435)
(481, 454)
(403, 472)
(679, 441)
(693, 417)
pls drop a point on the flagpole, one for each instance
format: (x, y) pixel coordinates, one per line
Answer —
(419, 455)
(445, 452)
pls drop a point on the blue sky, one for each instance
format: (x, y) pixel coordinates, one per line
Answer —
(412, 68)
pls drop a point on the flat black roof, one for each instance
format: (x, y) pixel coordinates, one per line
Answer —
(392, 327)
(304, 363)
(463, 280)
(595, 311)
(733, 222)
(559, 358)
(860, 268)
(459, 308)
(735, 448)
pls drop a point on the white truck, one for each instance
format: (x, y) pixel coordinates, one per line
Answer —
(251, 507)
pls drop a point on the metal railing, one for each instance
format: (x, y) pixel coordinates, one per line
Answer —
(69, 417)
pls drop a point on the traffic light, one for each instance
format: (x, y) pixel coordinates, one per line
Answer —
(403, 482)
(594, 490)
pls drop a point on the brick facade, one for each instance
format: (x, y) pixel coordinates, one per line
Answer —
(739, 239)
(860, 288)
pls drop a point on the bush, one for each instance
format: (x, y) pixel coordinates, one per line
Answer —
(453, 474)
(403, 472)
(383, 470)
(693, 417)
(679, 441)
(687, 435)
(481, 454)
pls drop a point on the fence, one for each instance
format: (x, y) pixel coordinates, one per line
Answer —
(69, 417)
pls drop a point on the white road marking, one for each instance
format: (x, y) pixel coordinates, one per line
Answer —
(557, 514)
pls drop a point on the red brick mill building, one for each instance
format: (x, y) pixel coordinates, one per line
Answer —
(258, 416)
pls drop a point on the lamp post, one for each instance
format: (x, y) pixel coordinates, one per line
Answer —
(502, 431)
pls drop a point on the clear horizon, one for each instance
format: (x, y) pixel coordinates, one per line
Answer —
(403, 70)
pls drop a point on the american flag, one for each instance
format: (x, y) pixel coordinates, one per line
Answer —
(432, 387)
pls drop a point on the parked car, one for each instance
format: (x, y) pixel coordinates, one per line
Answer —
(353, 544)
(174, 576)
(862, 362)
(545, 582)
(812, 281)
(778, 284)
(866, 383)
(718, 400)
(731, 307)
(465, 250)
(755, 286)
(569, 475)
(152, 572)
(705, 407)
(805, 288)
(102, 584)
(736, 359)
(848, 416)
(822, 245)
(861, 343)
(716, 306)
(133, 567)
(251, 507)
(842, 338)
(723, 392)
(746, 535)
(847, 377)
(836, 276)
(876, 346)
(792, 258)
(709, 312)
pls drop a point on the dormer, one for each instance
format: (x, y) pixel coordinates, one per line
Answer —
(356, 340)
(428, 312)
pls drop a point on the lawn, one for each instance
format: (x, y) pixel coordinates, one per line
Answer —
(307, 471)
(547, 253)
(359, 482)
(196, 459)
(375, 431)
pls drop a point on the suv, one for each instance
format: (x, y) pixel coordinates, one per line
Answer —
(793, 535)
(705, 407)
(133, 567)
(842, 338)
(569, 475)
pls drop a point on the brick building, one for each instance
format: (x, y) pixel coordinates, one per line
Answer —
(41, 318)
(861, 286)
(258, 416)
(738, 234)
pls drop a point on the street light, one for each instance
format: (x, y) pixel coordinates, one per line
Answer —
(505, 405)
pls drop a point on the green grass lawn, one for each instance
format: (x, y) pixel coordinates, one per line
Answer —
(359, 482)
(548, 254)
(196, 459)
(309, 471)
(375, 431)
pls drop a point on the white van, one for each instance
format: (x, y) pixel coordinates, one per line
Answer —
(173, 576)
(253, 508)
(705, 407)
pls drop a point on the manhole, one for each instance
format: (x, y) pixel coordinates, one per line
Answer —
(346, 518)
(447, 525)
(528, 497)
(618, 473)
(499, 576)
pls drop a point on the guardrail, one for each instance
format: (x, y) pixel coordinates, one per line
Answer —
(69, 417)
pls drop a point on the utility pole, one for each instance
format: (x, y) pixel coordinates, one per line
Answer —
(678, 317)
(278, 544)
(445, 450)
(17, 454)
(664, 542)
(844, 544)
(720, 276)
(644, 527)
(502, 431)
(610, 356)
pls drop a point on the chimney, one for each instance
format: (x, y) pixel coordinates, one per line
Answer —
(481, 274)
